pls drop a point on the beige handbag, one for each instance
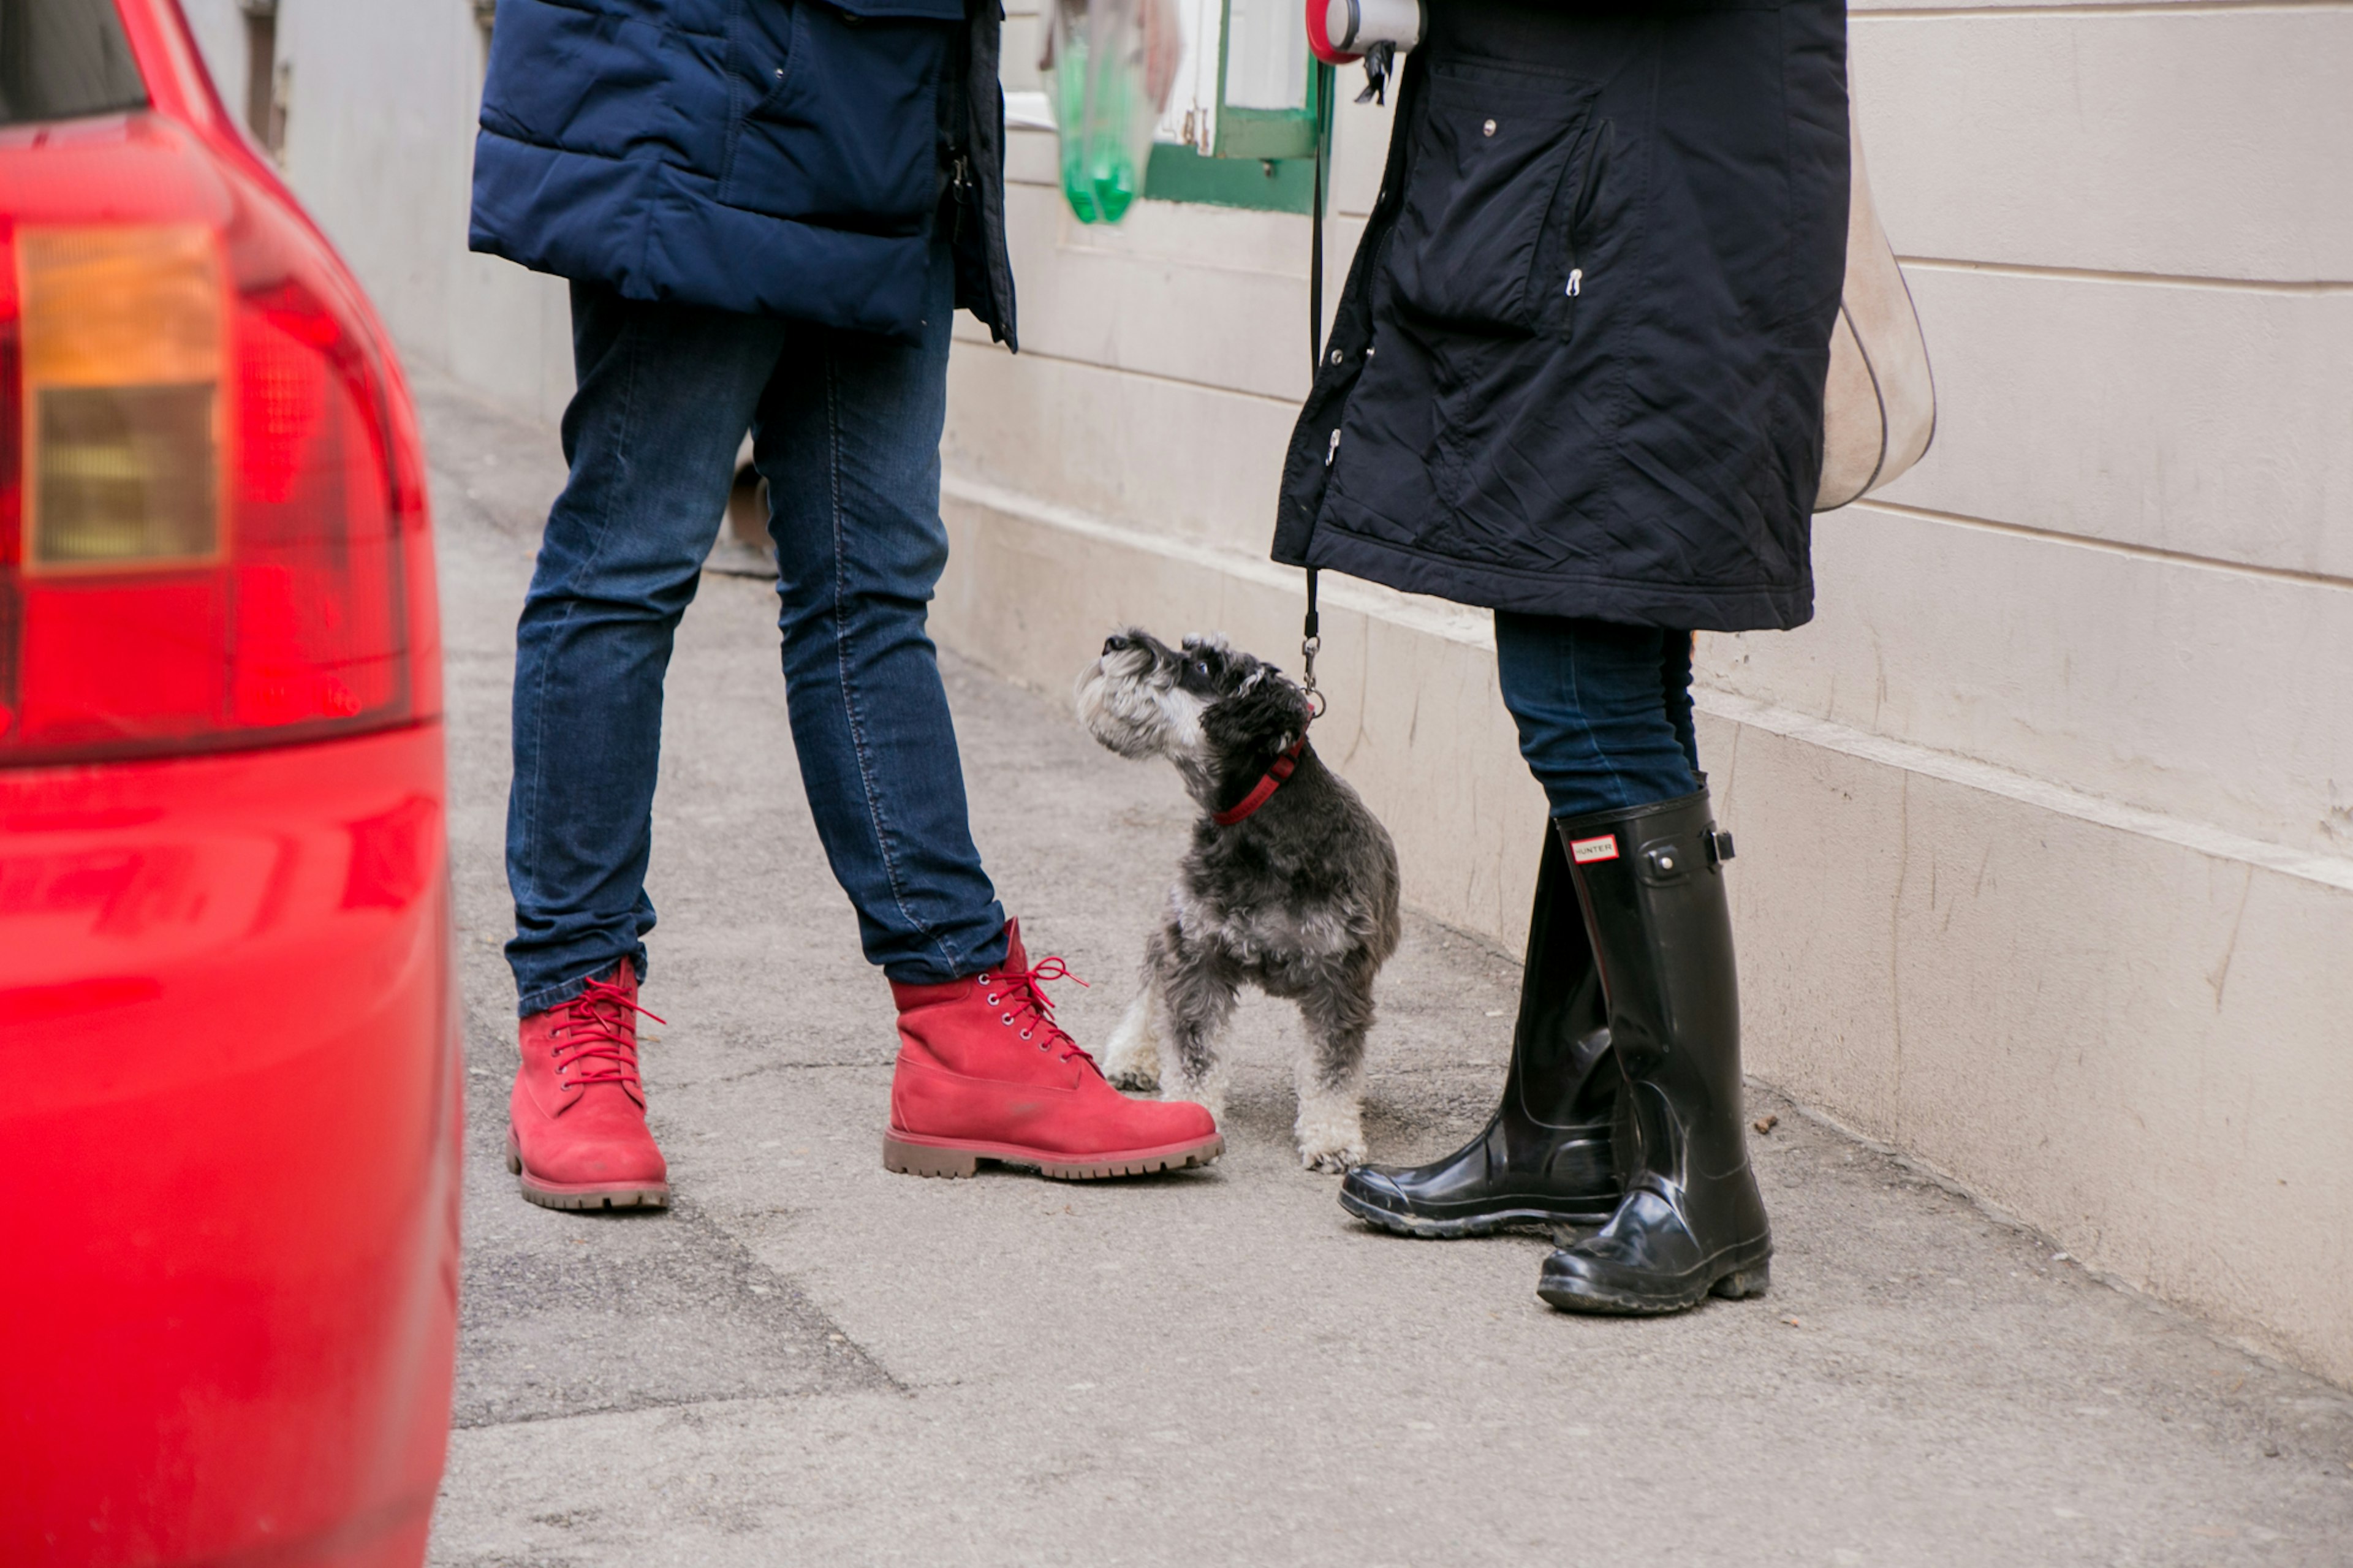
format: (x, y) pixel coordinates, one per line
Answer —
(1879, 408)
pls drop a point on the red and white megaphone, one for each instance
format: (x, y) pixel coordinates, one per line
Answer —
(1342, 31)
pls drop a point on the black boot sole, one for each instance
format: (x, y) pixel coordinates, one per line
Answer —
(1427, 1227)
(1575, 1294)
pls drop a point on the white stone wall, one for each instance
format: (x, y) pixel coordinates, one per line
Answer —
(2046, 822)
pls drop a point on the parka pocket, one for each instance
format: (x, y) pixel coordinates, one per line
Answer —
(1504, 165)
(841, 118)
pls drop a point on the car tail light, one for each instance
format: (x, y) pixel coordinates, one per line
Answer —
(203, 492)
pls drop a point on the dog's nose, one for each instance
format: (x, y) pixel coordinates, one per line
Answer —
(1115, 643)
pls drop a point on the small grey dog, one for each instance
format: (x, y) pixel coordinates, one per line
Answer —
(1290, 883)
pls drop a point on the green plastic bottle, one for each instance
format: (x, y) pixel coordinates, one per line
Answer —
(1112, 64)
(1099, 173)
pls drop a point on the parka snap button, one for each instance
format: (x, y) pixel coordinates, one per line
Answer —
(1489, 128)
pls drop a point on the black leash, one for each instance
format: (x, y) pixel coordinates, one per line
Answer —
(1311, 637)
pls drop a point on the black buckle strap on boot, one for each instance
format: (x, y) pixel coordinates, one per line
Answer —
(1650, 879)
(1544, 1156)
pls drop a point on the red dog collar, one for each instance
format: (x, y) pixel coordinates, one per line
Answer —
(1264, 791)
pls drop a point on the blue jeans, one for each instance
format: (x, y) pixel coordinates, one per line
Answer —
(846, 429)
(1604, 711)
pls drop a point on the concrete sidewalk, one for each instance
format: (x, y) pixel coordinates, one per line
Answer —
(810, 1361)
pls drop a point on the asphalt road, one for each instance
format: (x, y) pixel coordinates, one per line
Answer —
(810, 1361)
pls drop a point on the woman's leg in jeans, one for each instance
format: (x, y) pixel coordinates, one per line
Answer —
(848, 435)
(1603, 710)
(665, 393)
(1674, 683)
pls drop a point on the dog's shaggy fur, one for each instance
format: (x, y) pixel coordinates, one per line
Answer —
(1300, 898)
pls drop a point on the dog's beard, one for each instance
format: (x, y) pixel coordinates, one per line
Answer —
(1129, 702)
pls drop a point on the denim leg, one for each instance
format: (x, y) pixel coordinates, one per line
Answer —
(1604, 711)
(665, 395)
(1676, 678)
(848, 435)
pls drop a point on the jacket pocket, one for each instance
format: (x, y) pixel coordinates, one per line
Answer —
(840, 124)
(1503, 167)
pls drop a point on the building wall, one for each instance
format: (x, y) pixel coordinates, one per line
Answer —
(2046, 822)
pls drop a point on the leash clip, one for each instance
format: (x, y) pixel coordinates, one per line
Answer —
(1310, 643)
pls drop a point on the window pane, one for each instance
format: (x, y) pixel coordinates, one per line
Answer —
(1266, 54)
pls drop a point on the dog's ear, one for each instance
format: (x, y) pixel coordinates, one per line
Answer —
(1264, 714)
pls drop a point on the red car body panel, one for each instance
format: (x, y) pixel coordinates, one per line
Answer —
(233, 1121)
(229, 1041)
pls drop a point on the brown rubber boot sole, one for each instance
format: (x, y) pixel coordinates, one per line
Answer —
(912, 1156)
(583, 1194)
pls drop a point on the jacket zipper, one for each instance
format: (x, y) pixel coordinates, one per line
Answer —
(1573, 288)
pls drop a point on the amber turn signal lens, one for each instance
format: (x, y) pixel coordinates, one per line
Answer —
(122, 330)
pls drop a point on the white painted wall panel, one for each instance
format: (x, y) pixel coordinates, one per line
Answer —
(2191, 691)
(1360, 150)
(2210, 143)
(2137, 1047)
(1179, 459)
(375, 144)
(2208, 421)
(1018, 47)
(1209, 295)
(219, 30)
(1032, 158)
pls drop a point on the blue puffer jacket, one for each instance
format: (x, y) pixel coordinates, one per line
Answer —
(777, 157)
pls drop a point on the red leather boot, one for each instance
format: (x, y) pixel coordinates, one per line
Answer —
(984, 1074)
(576, 1135)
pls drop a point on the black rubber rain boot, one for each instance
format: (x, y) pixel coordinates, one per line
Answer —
(1691, 1222)
(1545, 1157)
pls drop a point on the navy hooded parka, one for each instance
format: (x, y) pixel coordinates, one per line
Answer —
(788, 158)
(1577, 366)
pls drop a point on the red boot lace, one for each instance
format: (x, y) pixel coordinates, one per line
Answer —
(602, 1043)
(1017, 991)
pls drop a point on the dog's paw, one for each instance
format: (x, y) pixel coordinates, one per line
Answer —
(1336, 1162)
(1131, 1058)
(1330, 1133)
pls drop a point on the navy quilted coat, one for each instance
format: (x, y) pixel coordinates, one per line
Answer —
(777, 157)
(1577, 366)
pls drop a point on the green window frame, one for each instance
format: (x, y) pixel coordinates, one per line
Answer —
(1177, 173)
(1265, 158)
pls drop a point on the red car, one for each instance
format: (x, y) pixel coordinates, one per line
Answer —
(227, 1038)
